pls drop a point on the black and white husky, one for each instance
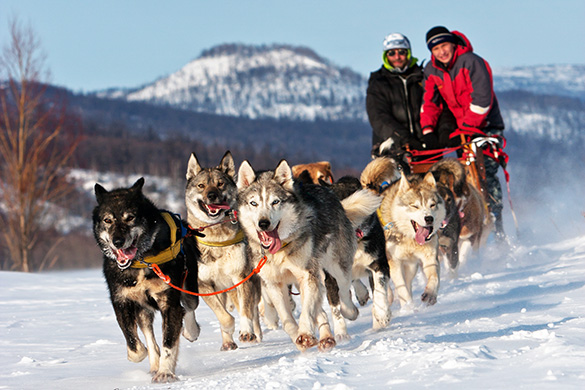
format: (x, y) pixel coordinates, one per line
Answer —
(309, 240)
(132, 233)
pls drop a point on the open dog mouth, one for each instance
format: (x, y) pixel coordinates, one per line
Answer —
(213, 210)
(422, 233)
(270, 240)
(124, 257)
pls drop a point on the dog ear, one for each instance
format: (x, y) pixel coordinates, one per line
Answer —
(283, 175)
(193, 168)
(137, 187)
(100, 192)
(404, 184)
(227, 164)
(430, 179)
(246, 175)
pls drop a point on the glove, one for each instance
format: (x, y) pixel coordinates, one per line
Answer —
(412, 142)
(430, 141)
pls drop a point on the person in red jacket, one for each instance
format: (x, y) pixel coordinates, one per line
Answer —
(462, 80)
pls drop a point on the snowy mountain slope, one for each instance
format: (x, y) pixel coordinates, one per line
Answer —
(259, 81)
(509, 321)
(564, 80)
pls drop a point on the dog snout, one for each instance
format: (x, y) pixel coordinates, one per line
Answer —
(119, 242)
(213, 195)
(264, 224)
(429, 220)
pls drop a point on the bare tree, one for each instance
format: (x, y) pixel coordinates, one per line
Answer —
(36, 141)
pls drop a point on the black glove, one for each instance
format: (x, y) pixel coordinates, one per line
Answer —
(412, 142)
(430, 141)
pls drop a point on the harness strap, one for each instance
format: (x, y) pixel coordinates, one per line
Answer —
(236, 240)
(385, 226)
(168, 254)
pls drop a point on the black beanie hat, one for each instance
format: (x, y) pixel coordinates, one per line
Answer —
(438, 35)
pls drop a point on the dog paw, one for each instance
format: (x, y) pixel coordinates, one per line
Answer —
(164, 377)
(327, 344)
(363, 300)
(350, 312)
(381, 320)
(429, 298)
(139, 355)
(305, 341)
(248, 338)
(342, 338)
(230, 346)
(191, 333)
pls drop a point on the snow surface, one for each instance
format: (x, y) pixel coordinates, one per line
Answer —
(512, 320)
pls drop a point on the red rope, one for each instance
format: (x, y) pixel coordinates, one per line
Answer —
(167, 279)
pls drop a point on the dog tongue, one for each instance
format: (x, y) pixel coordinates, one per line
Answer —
(421, 235)
(214, 208)
(124, 255)
(270, 240)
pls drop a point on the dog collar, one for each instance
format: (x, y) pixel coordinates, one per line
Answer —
(236, 240)
(385, 226)
(168, 254)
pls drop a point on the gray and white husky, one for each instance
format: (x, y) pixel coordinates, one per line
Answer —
(210, 197)
(309, 237)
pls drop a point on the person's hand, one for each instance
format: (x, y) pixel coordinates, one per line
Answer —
(430, 141)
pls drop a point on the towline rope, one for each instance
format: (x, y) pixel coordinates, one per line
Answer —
(167, 279)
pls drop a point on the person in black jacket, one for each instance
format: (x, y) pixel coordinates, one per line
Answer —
(393, 101)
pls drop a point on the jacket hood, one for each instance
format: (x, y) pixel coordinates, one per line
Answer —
(463, 46)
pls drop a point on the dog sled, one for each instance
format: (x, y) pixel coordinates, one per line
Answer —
(475, 147)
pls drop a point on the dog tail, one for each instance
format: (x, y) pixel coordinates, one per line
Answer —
(379, 173)
(360, 205)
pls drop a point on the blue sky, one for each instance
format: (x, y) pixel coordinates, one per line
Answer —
(94, 45)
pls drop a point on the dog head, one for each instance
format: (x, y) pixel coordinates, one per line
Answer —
(317, 171)
(266, 203)
(120, 223)
(420, 207)
(211, 192)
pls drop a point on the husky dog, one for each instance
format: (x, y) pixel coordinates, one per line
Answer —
(211, 196)
(307, 233)
(317, 171)
(476, 223)
(132, 234)
(370, 258)
(411, 214)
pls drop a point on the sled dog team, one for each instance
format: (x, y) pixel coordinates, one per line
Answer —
(280, 232)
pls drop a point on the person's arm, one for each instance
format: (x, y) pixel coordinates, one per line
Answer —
(382, 120)
(481, 91)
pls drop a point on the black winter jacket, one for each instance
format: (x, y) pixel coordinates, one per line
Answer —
(393, 103)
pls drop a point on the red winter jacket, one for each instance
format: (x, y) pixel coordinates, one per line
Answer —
(466, 86)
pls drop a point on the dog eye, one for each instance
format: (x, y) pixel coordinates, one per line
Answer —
(414, 206)
(130, 218)
(220, 184)
(275, 202)
(253, 203)
(201, 185)
(108, 221)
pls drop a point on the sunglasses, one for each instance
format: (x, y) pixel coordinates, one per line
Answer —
(401, 52)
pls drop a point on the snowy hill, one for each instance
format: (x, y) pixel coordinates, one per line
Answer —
(563, 80)
(509, 322)
(277, 81)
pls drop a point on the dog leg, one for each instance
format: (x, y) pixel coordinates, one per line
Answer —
(326, 339)
(381, 313)
(311, 298)
(226, 320)
(361, 292)
(128, 321)
(278, 298)
(267, 310)
(431, 270)
(402, 287)
(465, 249)
(248, 306)
(145, 320)
(334, 303)
(172, 323)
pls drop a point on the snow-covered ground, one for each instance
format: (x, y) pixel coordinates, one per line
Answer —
(514, 321)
